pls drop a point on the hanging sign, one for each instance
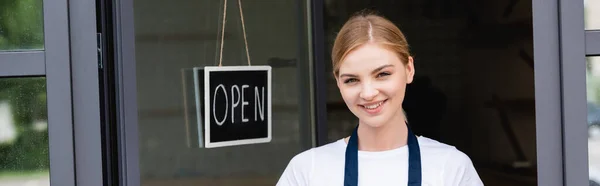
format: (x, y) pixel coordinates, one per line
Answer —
(235, 103)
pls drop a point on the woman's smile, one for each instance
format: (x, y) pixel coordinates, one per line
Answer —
(373, 107)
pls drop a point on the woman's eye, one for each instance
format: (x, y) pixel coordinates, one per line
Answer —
(383, 74)
(351, 80)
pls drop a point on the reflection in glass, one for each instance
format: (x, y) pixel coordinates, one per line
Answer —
(593, 118)
(592, 14)
(23, 132)
(21, 25)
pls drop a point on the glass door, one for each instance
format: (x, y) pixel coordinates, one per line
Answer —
(171, 38)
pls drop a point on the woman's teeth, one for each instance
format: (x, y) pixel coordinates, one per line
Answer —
(374, 106)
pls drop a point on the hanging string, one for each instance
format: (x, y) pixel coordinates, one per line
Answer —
(223, 32)
(244, 30)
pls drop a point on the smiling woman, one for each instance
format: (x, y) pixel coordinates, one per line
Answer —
(370, 76)
(372, 66)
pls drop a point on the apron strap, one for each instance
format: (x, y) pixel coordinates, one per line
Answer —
(351, 165)
(414, 160)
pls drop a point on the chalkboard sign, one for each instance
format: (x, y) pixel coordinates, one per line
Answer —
(235, 103)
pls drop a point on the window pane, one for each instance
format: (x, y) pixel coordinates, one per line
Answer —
(23, 132)
(593, 117)
(172, 37)
(21, 25)
(592, 14)
(461, 94)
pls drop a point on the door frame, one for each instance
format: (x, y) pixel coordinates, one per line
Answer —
(573, 90)
(85, 93)
(54, 63)
(576, 43)
(547, 103)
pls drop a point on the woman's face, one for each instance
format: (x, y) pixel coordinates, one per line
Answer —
(372, 81)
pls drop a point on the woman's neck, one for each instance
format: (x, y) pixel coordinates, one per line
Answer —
(388, 136)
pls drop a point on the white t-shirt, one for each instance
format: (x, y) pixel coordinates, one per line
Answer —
(441, 165)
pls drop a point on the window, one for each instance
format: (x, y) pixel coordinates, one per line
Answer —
(592, 14)
(21, 25)
(24, 132)
(593, 117)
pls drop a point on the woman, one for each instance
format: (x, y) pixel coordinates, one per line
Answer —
(372, 67)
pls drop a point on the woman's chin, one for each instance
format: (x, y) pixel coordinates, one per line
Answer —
(372, 122)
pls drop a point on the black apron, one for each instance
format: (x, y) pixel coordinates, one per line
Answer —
(414, 160)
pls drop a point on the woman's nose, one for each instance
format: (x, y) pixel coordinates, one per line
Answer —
(368, 92)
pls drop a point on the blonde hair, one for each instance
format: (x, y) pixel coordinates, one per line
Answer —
(368, 27)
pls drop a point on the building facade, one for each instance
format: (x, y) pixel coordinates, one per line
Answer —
(102, 92)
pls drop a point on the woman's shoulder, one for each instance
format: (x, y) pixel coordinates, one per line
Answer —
(327, 150)
(301, 167)
(432, 143)
(326, 153)
(444, 154)
(434, 146)
(456, 166)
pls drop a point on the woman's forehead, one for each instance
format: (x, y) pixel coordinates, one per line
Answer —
(367, 58)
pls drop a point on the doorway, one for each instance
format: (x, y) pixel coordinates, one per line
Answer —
(474, 81)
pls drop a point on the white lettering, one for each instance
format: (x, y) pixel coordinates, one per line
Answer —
(261, 107)
(234, 103)
(244, 103)
(215, 100)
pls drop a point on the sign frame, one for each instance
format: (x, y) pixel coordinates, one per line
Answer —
(204, 123)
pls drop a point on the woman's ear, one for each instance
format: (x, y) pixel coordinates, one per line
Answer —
(410, 70)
